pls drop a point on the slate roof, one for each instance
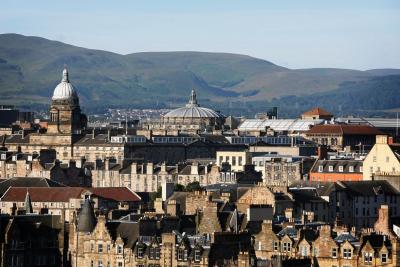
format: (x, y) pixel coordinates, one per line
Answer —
(346, 237)
(369, 188)
(346, 164)
(128, 231)
(86, 218)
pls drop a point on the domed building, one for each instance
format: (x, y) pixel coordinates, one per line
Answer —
(193, 117)
(65, 112)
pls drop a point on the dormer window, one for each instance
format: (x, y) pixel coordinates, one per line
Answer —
(351, 169)
(334, 253)
(347, 253)
(119, 249)
(340, 168)
(197, 255)
(330, 168)
(140, 252)
(182, 254)
(367, 257)
(384, 258)
(320, 168)
(3, 156)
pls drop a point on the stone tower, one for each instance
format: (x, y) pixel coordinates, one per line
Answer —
(65, 112)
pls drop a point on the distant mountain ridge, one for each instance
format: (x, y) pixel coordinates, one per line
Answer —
(30, 68)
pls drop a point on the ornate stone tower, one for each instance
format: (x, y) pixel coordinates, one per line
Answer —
(65, 112)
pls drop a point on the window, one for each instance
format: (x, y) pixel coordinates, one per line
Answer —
(340, 168)
(331, 168)
(100, 248)
(100, 263)
(321, 168)
(140, 252)
(197, 255)
(374, 158)
(119, 264)
(240, 161)
(180, 254)
(233, 161)
(347, 253)
(119, 249)
(387, 159)
(384, 258)
(286, 247)
(276, 245)
(367, 257)
(304, 251)
(351, 169)
(334, 252)
(108, 247)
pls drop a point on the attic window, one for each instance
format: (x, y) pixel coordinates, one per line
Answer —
(321, 168)
(367, 257)
(331, 168)
(384, 258)
(340, 168)
(197, 255)
(351, 169)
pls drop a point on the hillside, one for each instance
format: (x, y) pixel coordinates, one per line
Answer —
(30, 68)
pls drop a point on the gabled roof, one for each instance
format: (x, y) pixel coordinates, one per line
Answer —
(317, 111)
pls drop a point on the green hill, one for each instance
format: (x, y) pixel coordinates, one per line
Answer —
(30, 68)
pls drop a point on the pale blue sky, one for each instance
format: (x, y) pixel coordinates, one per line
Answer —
(295, 34)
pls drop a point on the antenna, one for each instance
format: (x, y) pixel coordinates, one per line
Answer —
(126, 123)
(397, 124)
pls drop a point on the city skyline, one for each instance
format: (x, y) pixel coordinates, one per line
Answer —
(359, 35)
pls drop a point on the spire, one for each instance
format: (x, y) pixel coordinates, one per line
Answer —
(86, 218)
(28, 203)
(193, 98)
(65, 75)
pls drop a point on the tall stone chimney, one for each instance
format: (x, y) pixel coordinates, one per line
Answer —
(194, 168)
(382, 225)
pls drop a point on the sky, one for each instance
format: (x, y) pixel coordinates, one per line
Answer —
(350, 34)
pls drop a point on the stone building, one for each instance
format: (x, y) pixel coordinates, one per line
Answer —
(32, 240)
(316, 114)
(192, 118)
(326, 246)
(264, 195)
(339, 136)
(147, 242)
(282, 170)
(336, 170)
(65, 201)
(383, 161)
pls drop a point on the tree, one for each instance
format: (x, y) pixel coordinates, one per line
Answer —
(194, 186)
(179, 188)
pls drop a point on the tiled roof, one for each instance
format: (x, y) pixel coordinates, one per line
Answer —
(26, 182)
(317, 111)
(344, 129)
(43, 194)
(119, 194)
